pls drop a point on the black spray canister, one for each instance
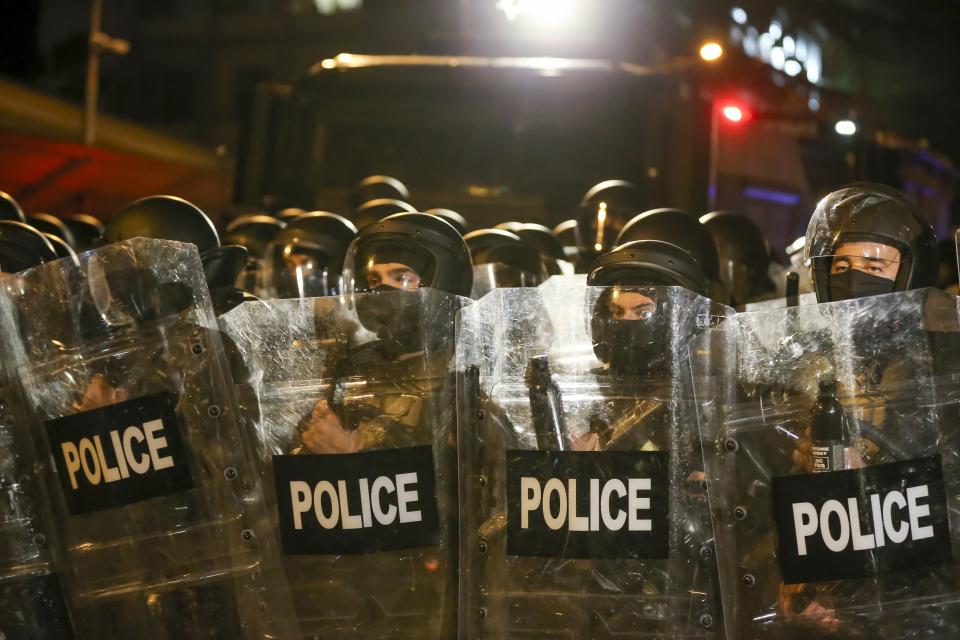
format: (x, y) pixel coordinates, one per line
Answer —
(828, 427)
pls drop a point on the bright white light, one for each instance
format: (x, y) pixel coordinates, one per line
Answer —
(766, 42)
(777, 58)
(801, 52)
(776, 30)
(792, 68)
(739, 15)
(751, 46)
(789, 46)
(846, 127)
(546, 13)
(732, 113)
(711, 51)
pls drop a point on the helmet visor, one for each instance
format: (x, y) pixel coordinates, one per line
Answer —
(297, 270)
(387, 264)
(496, 275)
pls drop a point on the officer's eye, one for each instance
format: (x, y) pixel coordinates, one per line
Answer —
(646, 314)
(840, 267)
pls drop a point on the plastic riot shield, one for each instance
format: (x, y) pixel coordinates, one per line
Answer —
(31, 598)
(356, 448)
(159, 511)
(583, 508)
(830, 438)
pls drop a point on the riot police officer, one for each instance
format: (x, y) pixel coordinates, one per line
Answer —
(375, 210)
(404, 277)
(22, 247)
(744, 256)
(172, 218)
(502, 259)
(551, 251)
(31, 600)
(458, 221)
(46, 223)
(868, 239)
(87, 230)
(376, 188)
(604, 211)
(305, 260)
(685, 231)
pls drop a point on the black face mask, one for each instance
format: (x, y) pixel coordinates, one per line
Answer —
(406, 321)
(854, 283)
(632, 346)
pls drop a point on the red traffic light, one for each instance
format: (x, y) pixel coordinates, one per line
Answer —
(735, 113)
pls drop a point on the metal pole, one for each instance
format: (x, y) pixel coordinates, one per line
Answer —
(714, 154)
(93, 75)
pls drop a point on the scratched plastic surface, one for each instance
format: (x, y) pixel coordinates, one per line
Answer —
(308, 356)
(134, 319)
(895, 361)
(505, 596)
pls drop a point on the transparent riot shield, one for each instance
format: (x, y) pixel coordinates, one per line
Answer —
(32, 604)
(583, 509)
(355, 428)
(830, 438)
(160, 517)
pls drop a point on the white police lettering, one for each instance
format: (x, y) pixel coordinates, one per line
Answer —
(558, 502)
(384, 501)
(895, 517)
(135, 451)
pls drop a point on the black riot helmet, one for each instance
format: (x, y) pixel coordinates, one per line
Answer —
(744, 255)
(866, 239)
(306, 258)
(458, 221)
(222, 267)
(502, 259)
(46, 223)
(432, 250)
(22, 247)
(676, 227)
(61, 247)
(604, 210)
(163, 218)
(377, 188)
(546, 243)
(87, 230)
(9, 209)
(254, 232)
(648, 263)
(376, 210)
(631, 324)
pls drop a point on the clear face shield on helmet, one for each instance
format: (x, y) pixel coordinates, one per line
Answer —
(300, 270)
(497, 275)
(859, 268)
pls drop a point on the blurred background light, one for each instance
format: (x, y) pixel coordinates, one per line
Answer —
(544, 13)
(739, 15)
(846, 127)
(711, 51)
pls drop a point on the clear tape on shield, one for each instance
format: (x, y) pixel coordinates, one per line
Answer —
(159, 512)
(583, 509)
(354, 393)
(830, 436)
(31, 598)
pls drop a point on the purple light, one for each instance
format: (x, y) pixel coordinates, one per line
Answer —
(770, 195)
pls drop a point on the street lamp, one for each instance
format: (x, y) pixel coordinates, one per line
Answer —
(711, 51)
